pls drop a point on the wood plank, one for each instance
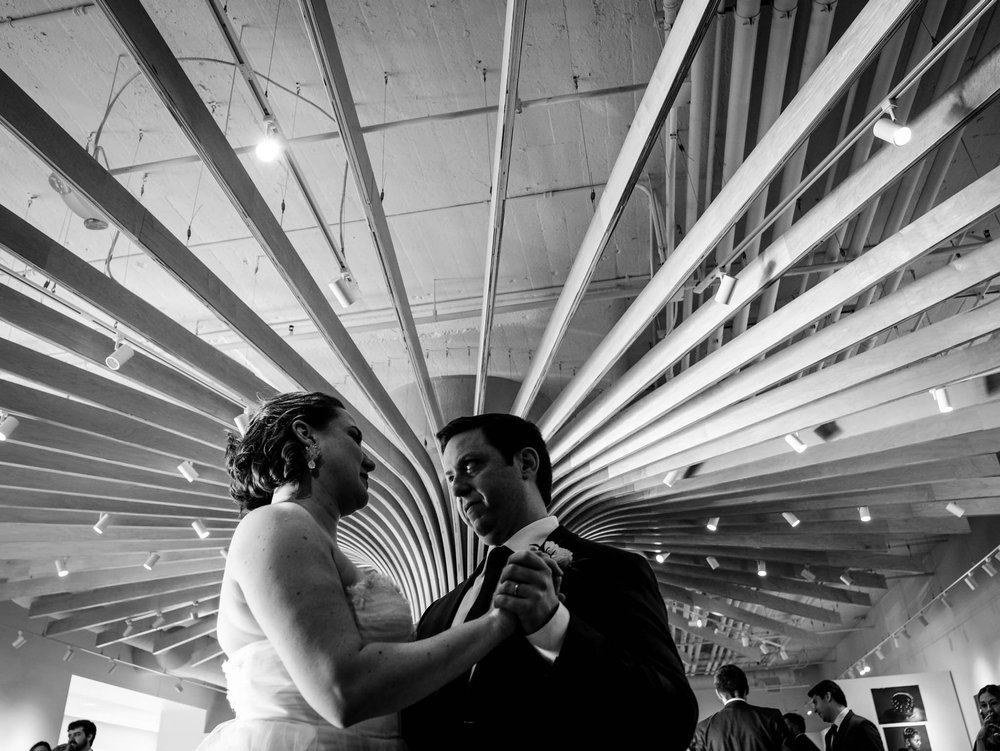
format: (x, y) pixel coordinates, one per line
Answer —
(165, 641)
(88, 419)
(708, 635)
(90, 579)
(60, 549)
(143, 624)
(780, 628)
(33, 567)
(68, 602)
(10, 515)
(100, 616)
(62, 331)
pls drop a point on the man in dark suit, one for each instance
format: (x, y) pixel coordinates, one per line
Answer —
(739, 726)
(796, 725)
(848, 731)
(594, 664)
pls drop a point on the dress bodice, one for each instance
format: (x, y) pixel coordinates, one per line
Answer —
(271, 714)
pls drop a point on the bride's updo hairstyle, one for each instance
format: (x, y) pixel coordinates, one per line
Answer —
(269, 455)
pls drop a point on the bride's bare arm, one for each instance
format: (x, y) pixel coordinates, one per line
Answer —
(282, 562)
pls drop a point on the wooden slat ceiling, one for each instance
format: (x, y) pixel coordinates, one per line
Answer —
(647, 148)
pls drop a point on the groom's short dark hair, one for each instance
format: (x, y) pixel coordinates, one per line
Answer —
(825, 687)
(730, 680)
(508, 434)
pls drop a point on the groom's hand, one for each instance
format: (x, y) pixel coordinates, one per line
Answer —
(528, 589)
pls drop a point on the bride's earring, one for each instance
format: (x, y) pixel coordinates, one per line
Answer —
(312, 454)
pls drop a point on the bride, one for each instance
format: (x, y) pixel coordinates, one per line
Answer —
(319, 652)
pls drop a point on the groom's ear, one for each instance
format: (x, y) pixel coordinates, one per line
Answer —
(527, 459)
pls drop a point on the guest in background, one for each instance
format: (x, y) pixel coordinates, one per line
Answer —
(848, 731)
(739, 726)
(988, 738)
(41, 746)
(81, 734)
(796, 725)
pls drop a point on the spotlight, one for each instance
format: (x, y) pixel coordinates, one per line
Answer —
(865, 668)
(846, 578)
(763, 649)
(114, 666)
(224, 552)
(20, 641)
(660, 557)
(61, 567)
(726, 285)
(129, 627)
(864, 513)
(69, 654)
(199, 527)
(122, 354)
(904, 632)
(990, 569)
(945, 601)
(713, 562)
(879, 653)
(807, 574)
(713, 524)
(970, 581)
(179, 688)
(783, 654)
(159, 621)
(792, 519)
(892, 132)
(102, 523)
(761, 568)
(151, 561)
(671, 477)
(187, 469)
(923, 620)
(7, 427)
(954, 508)
(345, 289)
(242, 421)
(793, 440)
(895, 641)
(745, 640)
(943, 400)
(269, 147)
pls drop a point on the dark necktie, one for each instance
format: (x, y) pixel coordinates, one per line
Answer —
(496, 559)
(831, 734)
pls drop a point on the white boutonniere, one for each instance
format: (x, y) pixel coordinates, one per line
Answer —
(563, 558)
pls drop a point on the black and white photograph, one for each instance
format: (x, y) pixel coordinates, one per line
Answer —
(907, 738)
(898, 704)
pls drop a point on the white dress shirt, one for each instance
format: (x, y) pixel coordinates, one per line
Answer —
(547, 640)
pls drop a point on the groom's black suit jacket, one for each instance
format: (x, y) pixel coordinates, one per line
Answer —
(618, 681)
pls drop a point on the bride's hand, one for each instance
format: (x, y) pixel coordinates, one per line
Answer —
(504, 621)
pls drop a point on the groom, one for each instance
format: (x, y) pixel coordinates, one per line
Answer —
(594, 665)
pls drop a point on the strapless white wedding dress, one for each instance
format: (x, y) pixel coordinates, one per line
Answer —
(271, 714)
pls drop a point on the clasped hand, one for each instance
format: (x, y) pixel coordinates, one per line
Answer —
(529, 589)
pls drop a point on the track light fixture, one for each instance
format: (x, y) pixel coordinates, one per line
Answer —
(186, 468)
(865, 513)
(671, 477)
(761, 569)
(895, 640)
(727, 284)
(940, 395)
(151, 561)
(8, 424)
(793, 440)
(224, 552)
(763, 649)
(179, 688)
(661, 557)
(159, 621)
(990, 569)
(807, 574)
(745, 639)
(865, 668)
(879, 653)
(20, 641)
(945, 601)
(904, 632)
(114, 666)
(345, 289)
(199, 527)
(269, 147)
(61, 567)
(970, 581)
(954, 508)
(102, 523)
(783, 654)
(122, 353)
(713, 562)
(69, 654)
(888, 129)
(923, 620)
(713, 524)
(129, 627)
(846, 578)
(792, 519)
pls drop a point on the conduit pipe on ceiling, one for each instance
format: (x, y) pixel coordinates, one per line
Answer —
(664, 85)
(591, 432)
(746, 21)
(866, 34)
(778, 48)
(713, 110)
(817, 43)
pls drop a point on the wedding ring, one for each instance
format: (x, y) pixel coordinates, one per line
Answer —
(516, 585)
